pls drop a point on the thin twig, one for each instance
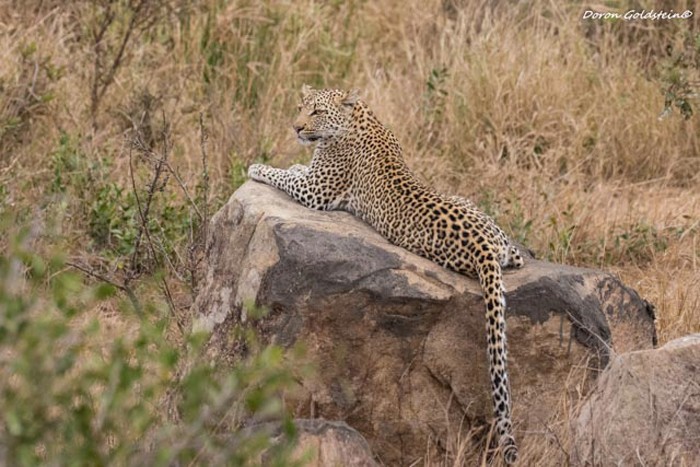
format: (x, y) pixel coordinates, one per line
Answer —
(123, 287)
(96, 275)
(144, 210)
(554, 435)
(98, 37)
(142, 18)
(203, 138)
(198, 244)
(184, 190)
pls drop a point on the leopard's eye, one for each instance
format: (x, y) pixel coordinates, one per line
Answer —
(318, 112)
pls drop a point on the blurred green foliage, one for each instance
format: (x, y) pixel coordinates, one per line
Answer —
(69, 397)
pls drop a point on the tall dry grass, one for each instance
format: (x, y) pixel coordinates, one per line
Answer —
(551, 123)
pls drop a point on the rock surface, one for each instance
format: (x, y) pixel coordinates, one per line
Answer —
(327, 443)
(645, 409)
(399, 342)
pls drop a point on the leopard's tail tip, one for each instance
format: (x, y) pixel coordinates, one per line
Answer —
(510, 450)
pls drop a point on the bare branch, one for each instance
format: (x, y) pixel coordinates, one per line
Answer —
(123, 287)
(143, 15)
(145, 207)
(184, 190)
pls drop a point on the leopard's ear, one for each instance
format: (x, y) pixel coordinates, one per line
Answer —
(351, 97)
(306, 90)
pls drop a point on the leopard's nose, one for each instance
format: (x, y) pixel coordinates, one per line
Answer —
(297, 127)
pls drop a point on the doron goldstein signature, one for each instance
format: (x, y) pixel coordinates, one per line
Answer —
(644, 15)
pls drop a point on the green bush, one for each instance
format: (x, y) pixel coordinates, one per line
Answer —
(70, 397)
(113, 221)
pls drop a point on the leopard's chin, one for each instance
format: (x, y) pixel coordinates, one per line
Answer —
(307, 140)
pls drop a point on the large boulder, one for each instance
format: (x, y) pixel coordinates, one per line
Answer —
(645, 409)
(399, 342)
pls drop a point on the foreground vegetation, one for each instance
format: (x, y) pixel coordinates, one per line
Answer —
(125, 124)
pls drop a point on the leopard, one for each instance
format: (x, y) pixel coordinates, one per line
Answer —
(358, 166)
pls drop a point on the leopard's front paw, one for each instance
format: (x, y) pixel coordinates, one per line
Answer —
(255, 171)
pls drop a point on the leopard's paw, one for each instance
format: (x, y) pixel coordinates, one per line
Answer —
(255, 172)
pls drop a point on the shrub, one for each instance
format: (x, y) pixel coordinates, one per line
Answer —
(70, 397)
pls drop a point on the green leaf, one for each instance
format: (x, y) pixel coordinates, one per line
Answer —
(104, 291)
(14, 424)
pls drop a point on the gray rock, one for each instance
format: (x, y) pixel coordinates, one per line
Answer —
(398, 341)
(324, 443)
(645, 409)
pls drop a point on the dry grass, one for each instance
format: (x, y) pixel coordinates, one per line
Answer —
(551, 123)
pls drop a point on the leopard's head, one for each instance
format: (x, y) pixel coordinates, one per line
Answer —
(324, 114)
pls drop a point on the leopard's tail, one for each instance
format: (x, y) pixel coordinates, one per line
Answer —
(491, 280)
